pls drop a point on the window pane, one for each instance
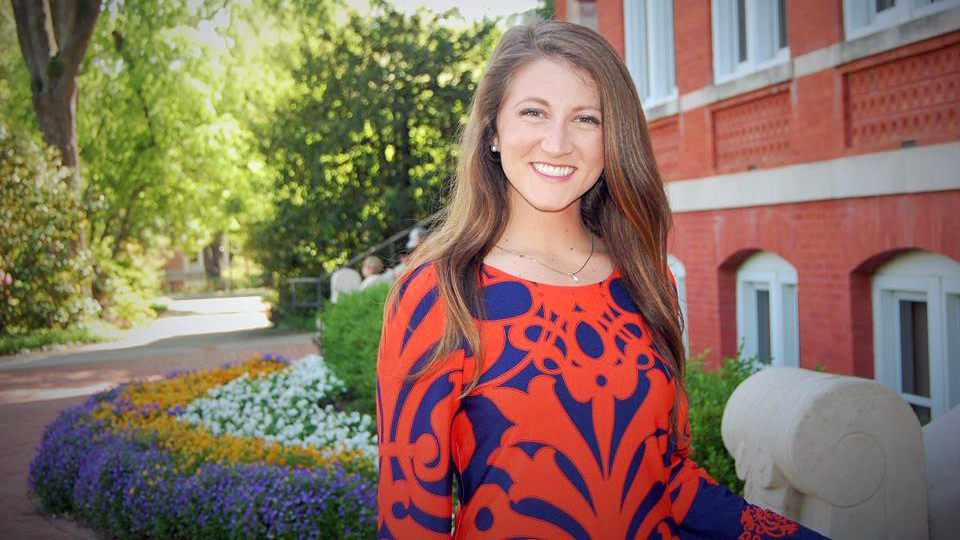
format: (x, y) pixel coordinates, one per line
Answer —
(763, 326)
(782, 23)
(883, 5)
(741, 30)
(923, 413)
(661, 49)
(914, 353)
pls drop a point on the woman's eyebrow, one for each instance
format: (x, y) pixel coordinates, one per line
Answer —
(546, 104)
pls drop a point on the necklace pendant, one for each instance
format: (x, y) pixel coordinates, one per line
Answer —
(575, 278)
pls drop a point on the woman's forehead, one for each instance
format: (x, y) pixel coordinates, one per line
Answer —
(554, 82)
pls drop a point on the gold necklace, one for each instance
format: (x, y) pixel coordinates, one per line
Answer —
(573, 275)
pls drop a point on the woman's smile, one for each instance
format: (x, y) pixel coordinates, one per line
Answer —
(556, 173)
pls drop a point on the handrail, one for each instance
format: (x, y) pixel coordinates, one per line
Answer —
(319, 280)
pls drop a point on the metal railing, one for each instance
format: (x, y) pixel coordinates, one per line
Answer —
(316, 284)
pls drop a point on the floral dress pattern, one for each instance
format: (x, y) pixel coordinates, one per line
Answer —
(566, 435)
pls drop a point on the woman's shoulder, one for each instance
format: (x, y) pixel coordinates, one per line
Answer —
(415, 288)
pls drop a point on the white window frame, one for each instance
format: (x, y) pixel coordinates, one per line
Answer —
(649, 48)
(935, 279)
(860, 17)
(768, 271)
(761, 15)
(582, 13)
(679, 272)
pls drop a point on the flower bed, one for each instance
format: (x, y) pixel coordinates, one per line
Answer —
(252, 450)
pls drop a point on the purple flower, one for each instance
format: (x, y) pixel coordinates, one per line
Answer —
(125, 484)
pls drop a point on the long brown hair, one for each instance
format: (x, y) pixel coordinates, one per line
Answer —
(627, 207)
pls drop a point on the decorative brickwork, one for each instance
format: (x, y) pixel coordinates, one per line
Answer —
(905, 101)
(665, 136)
(752, 134)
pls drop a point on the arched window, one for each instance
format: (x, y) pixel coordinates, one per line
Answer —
(680, 274)
(767, 310)
(916, 330)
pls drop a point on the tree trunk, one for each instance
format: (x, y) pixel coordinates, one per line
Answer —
(53, 36)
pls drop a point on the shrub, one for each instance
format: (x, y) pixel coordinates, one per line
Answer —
(42, 266)
(12, 344)
(351, 337)
(708, 391)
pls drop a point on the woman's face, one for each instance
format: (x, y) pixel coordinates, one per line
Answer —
(549, 135)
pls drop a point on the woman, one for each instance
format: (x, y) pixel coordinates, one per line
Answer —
(533, 351)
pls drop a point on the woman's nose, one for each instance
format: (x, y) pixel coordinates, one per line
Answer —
(556, 139)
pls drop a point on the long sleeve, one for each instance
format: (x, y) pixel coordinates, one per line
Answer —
(705, 509)
(414, 416)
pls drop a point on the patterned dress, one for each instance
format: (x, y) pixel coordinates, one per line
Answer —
(566, 435)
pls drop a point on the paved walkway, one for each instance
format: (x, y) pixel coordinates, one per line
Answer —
(34, 388)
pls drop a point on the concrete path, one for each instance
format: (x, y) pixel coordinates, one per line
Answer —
(35, 387)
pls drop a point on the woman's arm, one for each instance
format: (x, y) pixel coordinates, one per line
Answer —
(414, 416)
(705, 509)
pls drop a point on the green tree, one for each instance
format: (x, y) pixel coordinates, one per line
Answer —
(168, 162)
(365, 146)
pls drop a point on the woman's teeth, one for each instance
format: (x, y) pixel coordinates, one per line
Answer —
(552, 170)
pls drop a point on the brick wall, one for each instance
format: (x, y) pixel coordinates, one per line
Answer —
(834, 245)
(813, 25)
(910, 95)
(693, 50)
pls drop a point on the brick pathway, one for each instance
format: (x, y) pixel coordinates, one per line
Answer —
(32, 397)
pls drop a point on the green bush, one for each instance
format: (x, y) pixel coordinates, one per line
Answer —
(351, 336)
(42, 338)
(124, 286)
(708, 392)
(42, 266)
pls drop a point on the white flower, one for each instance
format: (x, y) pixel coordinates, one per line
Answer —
(284, 406)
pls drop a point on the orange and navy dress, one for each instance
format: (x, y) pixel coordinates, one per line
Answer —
(565, 437)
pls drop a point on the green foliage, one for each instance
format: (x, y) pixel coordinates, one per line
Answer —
(708, 391)
(163, 153)
(42, 266)
(43, 338)
(546, 9)
(126, 284)
(351, 337)
(366, 143)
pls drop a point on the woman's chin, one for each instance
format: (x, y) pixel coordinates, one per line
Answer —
(550, 205)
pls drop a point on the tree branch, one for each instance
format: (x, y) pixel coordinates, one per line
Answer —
(35, 33)
(74, 23)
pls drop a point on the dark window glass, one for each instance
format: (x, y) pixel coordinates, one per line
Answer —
(742, 30)
(782, 22)
(923, 413)
(914, 351)
(883, 5)
(763, 326)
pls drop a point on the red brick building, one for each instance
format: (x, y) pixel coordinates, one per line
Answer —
(812, 154)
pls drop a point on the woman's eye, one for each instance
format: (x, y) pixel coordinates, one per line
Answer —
(531, 112)
(590, 120)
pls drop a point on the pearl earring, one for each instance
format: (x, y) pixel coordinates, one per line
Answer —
(493, 149)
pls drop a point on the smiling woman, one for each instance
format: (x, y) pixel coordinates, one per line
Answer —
(533, 350)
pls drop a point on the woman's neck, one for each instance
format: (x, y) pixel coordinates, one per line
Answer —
(554, 234)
